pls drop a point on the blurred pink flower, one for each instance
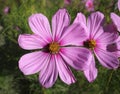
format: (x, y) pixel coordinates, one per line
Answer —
(67, 1)
(6, 10)
(118, 4)
(89, 4)
(97, 42)
(55, 50)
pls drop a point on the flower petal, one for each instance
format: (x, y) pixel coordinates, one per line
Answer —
(49, 73)
(94, 23)
(33, 62)
(77, 57)
(118, 42)
(91, 72)
(116, 20)
(107, 59)
(107, 38)
(80, 18)
(30, 42)
(64, 71)
(39, 24)
(74, 35)
(59, 21)
(112, 47)
(110, 28)
(115, 47)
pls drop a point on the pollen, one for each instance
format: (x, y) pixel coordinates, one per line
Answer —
(91, 44)
(54, 47)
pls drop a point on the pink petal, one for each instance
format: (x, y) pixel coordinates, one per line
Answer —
(118, 4)
(80, 18)
(74, 35)
(112, 47)
(77, 57)
(30, 42)
(49, 73)
(33, 62)
(59, 21)
(91, 72)
(116, 20)
(95, 21)
(107, 38)
(118, 42)
(115, 47)
(107, 59)
(64, 71)
(39, 25)
(111, 28)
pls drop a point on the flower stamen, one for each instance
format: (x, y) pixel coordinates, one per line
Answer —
(54, 47)
(91, 44)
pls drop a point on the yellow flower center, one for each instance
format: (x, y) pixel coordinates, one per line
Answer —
(90, 44)
(54, 47)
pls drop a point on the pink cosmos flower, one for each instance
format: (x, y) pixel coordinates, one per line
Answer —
(97, 42)
(118, 4)
(54, 50)
(89, 4)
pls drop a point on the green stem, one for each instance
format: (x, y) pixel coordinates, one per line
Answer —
(109, 80)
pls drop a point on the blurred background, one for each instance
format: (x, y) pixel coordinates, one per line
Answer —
(14, 21)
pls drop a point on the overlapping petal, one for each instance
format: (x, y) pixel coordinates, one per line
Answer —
(39, 24)
(33, 62)
(107, 38)
(107, 59)
(49, 73)
(80, 18)
(74, 35)
(30, 42)
(76, 57)
(94, 23)
(110, 28)
(91, 72)
(60, 21)
(116, 19)
(115, 47)
(64, 71)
